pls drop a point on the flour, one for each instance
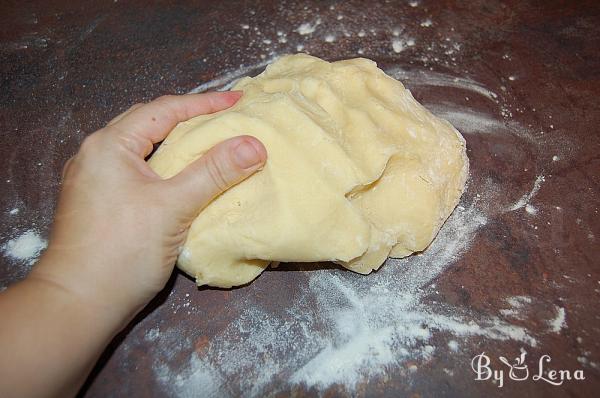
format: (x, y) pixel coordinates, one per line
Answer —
(400, 44)
(365, 327)
(421, 78)
(469, 121)
(531, 209)
(527, 197)
(152, 335)
(208, 384)
(308, 28)
(518, 307)
(228, 79)
(559, 322)
(26, 247)
(453, 345)
(518, 301)
(28, 41)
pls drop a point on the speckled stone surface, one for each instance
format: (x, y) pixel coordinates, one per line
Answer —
(520, 79)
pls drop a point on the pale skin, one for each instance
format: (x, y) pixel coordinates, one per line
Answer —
(116, 235)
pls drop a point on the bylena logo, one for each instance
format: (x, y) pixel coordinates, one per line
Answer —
(518, 371)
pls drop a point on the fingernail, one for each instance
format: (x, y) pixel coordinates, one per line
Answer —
(245, 155)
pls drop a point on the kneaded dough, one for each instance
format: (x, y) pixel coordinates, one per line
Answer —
(357, 171)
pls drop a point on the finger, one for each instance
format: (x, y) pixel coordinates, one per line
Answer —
(122, 115)
(150, 123)
(222, 167)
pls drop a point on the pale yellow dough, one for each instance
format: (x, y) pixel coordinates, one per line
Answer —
(357, 171)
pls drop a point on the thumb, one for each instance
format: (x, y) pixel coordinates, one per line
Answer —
(222, 167)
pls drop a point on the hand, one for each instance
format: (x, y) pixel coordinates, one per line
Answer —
(116, 235)
(119, 227)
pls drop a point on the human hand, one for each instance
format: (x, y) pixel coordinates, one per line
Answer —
(119, 226)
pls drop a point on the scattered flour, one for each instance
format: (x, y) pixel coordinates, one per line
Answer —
(468, 120)
(152, 334)
(227, 80)
(518, 307)
(307, 28)
(364, 327)
(400, 44)
(453, 345)
(25, 247)
(518, 301)
(558, 323)
(421, 78)
(531, 209)
(527, 197)
(585, 361)
(449, 372)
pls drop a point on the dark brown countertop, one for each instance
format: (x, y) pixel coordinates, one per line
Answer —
(515, 269)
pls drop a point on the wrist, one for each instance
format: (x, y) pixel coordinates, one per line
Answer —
(42, 315)
(68, 275)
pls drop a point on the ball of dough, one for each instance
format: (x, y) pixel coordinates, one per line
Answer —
(357, 171)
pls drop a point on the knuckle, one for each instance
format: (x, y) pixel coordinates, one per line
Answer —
(164, 99)
(93, 144)
(216, 173)
(135, 106)
(90, 143)
(166, 108)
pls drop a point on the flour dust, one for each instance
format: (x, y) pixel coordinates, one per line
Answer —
(357, 328)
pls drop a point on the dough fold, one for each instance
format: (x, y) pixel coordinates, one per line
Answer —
(357, 171)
